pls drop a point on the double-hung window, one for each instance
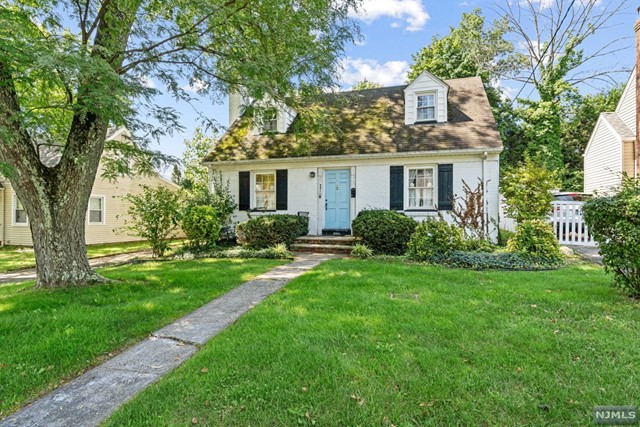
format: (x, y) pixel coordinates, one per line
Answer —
(270, 122)
(421, 188)
(426, 107)
(96, 210)
(265, 191)
(19, 212)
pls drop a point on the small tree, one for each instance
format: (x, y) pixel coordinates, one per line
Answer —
(201, 225)
(469, 213)
(222, 200)
(153, 215)
(527, 190)
(614, 222)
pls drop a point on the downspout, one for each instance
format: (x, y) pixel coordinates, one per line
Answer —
(636, 28)
(2, 216)
(484, 196)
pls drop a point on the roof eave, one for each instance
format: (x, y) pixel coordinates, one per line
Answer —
(308, 159)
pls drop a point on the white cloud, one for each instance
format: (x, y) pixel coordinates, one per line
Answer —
(410, 11)
(389, 73)
(546, 4)
(196, 86)
(147, 82)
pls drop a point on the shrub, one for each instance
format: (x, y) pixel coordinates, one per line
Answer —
(478, 245)
(153, 215)
(434, 237)
(535, 238)
(273, 252)
(384, 231)
(495, 261)
(614, 222)
(269, 230)
(527, 190)
(504, 236)
(361, 251)
(201, 225)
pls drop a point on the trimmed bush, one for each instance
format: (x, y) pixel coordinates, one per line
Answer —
(201, 226)
(614, 222)
(270, 230)
(478, 245)
(535, 238)
(273, 252)
(495, 261)
(434, 237)
(361, 251)
(384, 231)
(504, 236)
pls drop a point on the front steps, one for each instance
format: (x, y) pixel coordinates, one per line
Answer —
(324, 244)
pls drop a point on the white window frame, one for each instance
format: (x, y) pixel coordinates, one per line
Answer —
(104, 209)
(435, 106)
(14, 207)
(270, 124)
(254, 192)
(432, 207)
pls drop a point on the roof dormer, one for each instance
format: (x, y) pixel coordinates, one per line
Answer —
(425, 100)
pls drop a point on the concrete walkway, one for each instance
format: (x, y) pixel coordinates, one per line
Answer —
(588, 253)
(30, 274)
(91, 398)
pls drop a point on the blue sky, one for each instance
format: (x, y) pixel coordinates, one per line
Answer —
(393, 30)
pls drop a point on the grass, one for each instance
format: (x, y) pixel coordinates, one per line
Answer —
(363, 343)
(52, 335)
(19, 257)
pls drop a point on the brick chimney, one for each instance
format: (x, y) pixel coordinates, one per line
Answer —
(637, 150)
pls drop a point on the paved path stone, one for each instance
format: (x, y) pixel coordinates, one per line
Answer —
(89, 399)
(30, 274)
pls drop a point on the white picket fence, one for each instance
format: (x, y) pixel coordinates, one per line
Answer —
(568, 224)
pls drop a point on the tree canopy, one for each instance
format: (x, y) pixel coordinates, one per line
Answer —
(71, 69)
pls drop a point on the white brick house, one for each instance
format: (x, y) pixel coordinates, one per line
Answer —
(406, 148)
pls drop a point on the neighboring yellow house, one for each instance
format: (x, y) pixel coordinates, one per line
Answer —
(105, 205)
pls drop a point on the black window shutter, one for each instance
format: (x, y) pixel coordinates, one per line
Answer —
(445, 187)
(244, 191)
(396, 188)
(281, 190)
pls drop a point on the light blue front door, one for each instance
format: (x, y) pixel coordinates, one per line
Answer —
(337, 215)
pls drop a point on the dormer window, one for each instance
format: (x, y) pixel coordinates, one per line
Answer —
(426, 107)
(270, 122)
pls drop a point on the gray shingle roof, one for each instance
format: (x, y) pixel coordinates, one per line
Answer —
(371, 121)
(619, 126)
(50, 155)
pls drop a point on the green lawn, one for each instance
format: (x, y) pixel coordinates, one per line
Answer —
(365, 343)
(48, 336)
(18, 257)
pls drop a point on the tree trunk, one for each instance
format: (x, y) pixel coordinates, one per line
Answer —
(56, 198)
(56, 201)
(61, 256)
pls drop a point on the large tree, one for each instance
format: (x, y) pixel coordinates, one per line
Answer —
(474, 49)
(553, 36)
(470, 50)
(70, 69)
(577, 126)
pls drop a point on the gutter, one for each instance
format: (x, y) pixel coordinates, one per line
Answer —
(408, 154)
(2, 215)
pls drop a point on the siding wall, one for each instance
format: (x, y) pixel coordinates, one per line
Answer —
(369, 177)
(628, 159)
(95, 234)
(603, 160)
(626, 108)
(422, 84)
